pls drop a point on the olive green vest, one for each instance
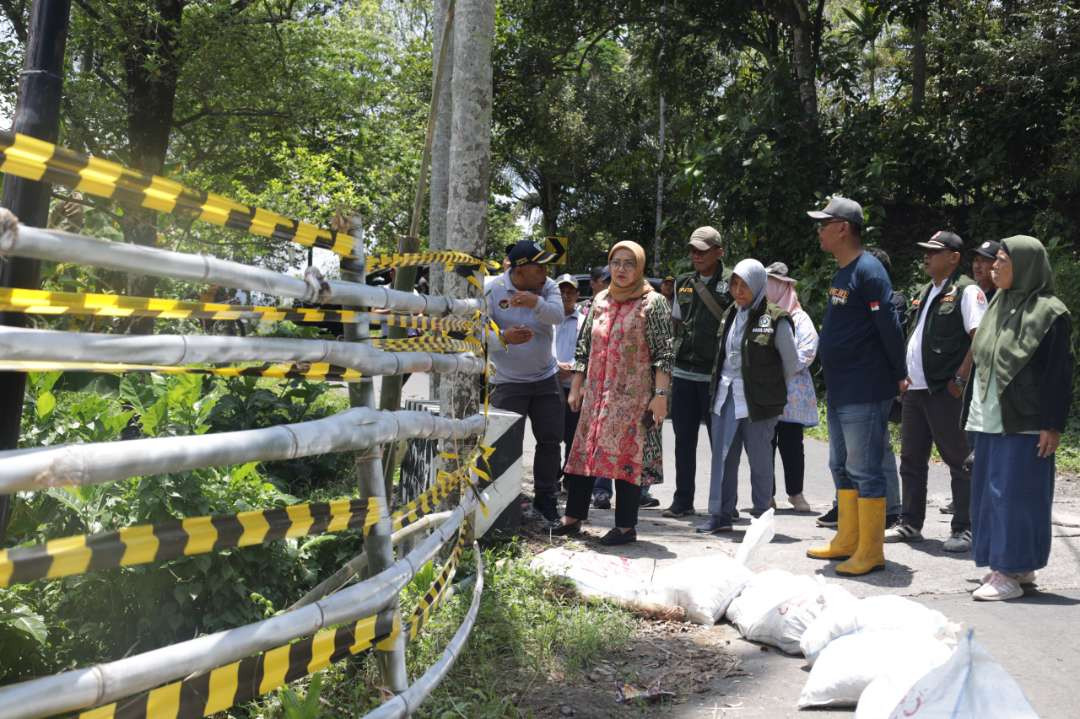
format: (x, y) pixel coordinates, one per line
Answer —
(944, 339)
(695, 340)
(762, 368)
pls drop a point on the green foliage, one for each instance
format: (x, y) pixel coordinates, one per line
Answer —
(295, 707)
(529, 627)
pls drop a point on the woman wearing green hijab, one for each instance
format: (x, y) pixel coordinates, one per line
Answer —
(1020, 394)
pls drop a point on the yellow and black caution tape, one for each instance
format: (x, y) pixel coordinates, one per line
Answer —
(42, 302)
(34, 159)
(217, 690)
(148, 543)
(428, 502)
(435, 592)
(320, 371)
(449, 258)
(426, 343)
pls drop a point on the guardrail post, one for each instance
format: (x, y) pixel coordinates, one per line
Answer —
(378, 545)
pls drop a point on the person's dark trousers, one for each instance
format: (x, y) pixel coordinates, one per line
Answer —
(689, 408)
(570, 422)
(789, 440)
(542, 402)
(933, 418)
(579, 493)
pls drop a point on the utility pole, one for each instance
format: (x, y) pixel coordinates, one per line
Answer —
(37, 114)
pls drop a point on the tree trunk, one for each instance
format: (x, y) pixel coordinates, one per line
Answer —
(470, 163)
(805, 69)
(440, 146)
(440, 160)
(151, 99)
(918, 60)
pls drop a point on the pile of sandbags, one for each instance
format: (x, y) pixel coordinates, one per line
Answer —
(889, 656)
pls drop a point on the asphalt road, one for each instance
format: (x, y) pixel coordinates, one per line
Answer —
(1028, 637)
(1036, 639)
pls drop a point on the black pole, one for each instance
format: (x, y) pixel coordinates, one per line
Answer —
(37, 114)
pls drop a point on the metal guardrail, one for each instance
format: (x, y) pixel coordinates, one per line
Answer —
(372, 604)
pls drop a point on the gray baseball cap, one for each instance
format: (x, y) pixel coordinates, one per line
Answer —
(705, 238)
(840, 208)
(566, 279)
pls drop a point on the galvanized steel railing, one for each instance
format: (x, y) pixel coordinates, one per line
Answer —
(366, 614)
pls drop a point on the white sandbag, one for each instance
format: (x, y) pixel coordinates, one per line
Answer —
(970, 685)
(783, 625)
(876, 613)
(599, 575)
(850, 662)
(764, 592)
(885, 692)
(705, 586)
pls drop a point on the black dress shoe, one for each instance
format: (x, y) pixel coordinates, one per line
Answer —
(617, 536)
(566, 530)
(649, 501)
(715, 525)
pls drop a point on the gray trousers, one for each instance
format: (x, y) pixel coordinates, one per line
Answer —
(729, 437)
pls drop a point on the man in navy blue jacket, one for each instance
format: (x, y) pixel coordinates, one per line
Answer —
(862, 354)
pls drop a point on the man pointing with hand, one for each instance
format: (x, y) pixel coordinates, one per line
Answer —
(526, 305)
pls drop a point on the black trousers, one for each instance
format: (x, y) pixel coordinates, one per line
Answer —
(542, 402)
(689, 407)
(933, 418)
(579, 493)
(789, 440)
(570, 422)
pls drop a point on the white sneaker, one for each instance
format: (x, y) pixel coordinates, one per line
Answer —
(999, 588)
(958, 542)
(901, 532)
(799, 503)
(1022, 578)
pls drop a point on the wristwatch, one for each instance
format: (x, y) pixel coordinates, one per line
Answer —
(960, 381)
(658, 392)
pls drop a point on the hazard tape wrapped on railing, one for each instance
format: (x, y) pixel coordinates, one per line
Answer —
(226, 686)
(34, 159)
(448, 258)
(29, 345)
(43, 302)
(405, 703)
(106, 683)
(435, 592)
(146, 543)
(79, 464)
(55, 246)
(231, 684)
(320, 371)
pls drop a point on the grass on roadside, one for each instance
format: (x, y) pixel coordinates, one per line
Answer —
(530, 628)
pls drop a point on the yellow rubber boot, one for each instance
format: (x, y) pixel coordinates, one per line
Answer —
(871, 552)
(846, 540)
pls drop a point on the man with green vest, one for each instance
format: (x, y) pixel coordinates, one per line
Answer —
(701, 298)
(941, 322)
